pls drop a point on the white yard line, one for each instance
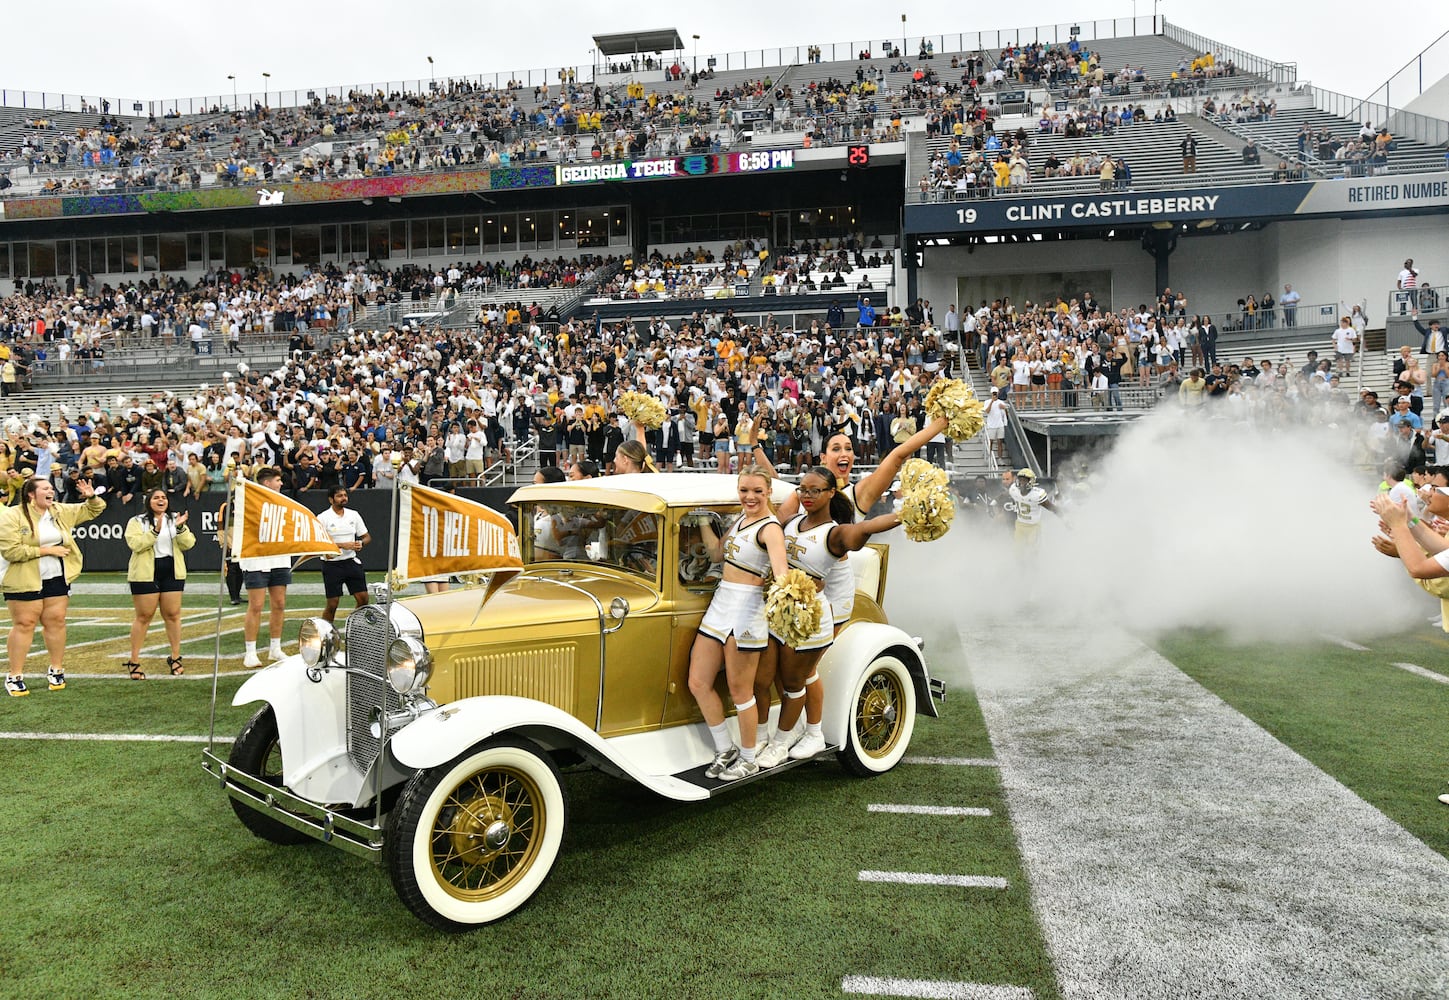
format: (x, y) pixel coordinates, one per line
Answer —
(121, 633)
(926, 878)
(1339, 640)
(193, 643)
(1176, 849)
(930, 989)
(952, 761)
(194, 672)
(111, 737)
(886, 807)
(1414, 668)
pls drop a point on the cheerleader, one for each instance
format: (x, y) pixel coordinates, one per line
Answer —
(733, 632)
(816, 541)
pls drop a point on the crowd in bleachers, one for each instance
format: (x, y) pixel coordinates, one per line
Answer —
(82, 319)
(460, 123)
(686, 274)
(381, 398)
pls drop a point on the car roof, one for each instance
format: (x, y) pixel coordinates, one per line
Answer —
(647, 491)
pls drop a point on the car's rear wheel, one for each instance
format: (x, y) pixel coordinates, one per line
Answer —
(257, 751)
(883, 716)
(473, 840)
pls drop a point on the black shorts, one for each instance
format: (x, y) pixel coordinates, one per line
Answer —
(345, 576)
(264, 579)
(54, 587)
(165, 581)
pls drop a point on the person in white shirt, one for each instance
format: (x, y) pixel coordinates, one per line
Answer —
(384, 472)
(266, 579)
(343, 572)
(1344, 340)
(477, 448)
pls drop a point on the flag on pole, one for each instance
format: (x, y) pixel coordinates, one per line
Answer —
(442, 535)
(266, 523)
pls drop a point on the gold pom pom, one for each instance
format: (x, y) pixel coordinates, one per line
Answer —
(792, 607)
(951, 398)
(646, 411)
(927, 508)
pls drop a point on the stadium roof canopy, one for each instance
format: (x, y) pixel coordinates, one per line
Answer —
(628, 42)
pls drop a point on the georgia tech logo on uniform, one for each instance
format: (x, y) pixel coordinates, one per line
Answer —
(793, 549)
(731, 550)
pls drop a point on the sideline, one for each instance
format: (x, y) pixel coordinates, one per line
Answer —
(112, 737)
(1175, 848)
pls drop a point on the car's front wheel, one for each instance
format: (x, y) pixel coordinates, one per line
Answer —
(258, 752)
(883, 716)
(473, 840)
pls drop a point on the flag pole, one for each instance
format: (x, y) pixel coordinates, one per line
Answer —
(230, 507)
(394, 509)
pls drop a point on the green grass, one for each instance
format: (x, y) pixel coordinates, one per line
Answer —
(130, 876)
(1378, 729)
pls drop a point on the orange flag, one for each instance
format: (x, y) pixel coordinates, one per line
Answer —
(440, 534)
(266, 523)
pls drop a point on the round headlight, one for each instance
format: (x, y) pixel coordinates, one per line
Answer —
(408, 664)
(317, 641)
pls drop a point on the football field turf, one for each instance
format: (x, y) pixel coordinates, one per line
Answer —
(130, 876)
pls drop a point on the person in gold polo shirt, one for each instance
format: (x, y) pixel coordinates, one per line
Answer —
(37, 538)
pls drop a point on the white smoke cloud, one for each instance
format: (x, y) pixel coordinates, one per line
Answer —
(1182, 522)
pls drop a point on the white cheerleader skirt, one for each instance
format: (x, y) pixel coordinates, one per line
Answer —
(737, 609)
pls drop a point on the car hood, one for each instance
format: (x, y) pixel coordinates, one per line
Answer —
(531, 598)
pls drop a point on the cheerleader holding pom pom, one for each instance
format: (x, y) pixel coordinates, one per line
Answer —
(816, 543)
(734, 632)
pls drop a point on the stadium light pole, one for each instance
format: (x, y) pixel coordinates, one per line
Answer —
(232, 78)
(904, 46)
(696, 53)
(266, 84)
(432, 75)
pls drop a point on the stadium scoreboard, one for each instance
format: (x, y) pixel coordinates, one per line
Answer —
(699, 165)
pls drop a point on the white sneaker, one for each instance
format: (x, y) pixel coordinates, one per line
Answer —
(741, 768)
(810, 744)
(251, 661)
(787, 739)
(1444, 799)
(773, 754)
(274, 651)
(722, 760)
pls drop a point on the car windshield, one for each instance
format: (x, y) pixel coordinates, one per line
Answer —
(592, 533)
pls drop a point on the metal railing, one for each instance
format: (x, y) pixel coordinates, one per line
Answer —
(1402, 124)
(1270, 70)
(1407, 82)
(584, 73)
(1429, 302)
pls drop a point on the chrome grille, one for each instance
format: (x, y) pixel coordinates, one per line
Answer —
(369, 633)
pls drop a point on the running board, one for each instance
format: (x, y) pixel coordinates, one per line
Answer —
(695, 775)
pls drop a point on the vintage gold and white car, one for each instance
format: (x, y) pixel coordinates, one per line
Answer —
(430, 736)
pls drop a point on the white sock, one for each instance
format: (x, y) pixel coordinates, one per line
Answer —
(747, 754)
(812, 728)
(252, 648)
(721, 736)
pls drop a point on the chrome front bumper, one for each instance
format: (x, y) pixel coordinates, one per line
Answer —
(316, 821)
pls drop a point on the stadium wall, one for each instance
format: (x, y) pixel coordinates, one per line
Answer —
(1326, 260)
